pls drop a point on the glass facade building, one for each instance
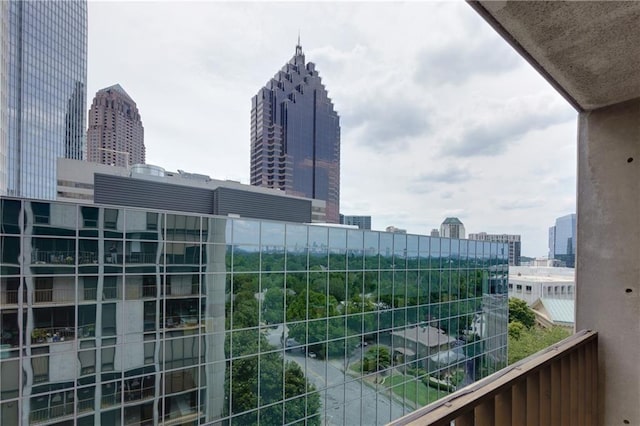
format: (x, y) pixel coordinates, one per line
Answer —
(362, 222)
(562, 240)
(295, 136)
(116, 315)
(44, 74)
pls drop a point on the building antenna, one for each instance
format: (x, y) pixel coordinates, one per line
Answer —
(298, 47)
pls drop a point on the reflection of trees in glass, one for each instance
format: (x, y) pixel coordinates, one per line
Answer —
(319, 307)
(375, 359)
(273, 306)
(267, 369)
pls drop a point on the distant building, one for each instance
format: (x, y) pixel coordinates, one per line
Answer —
(43, 78)
(452, 228)
(544, 261)
(512, 240)
(115, 135)
(295, 136)
(552, 311)
(362, 222)
(395, 230)
(562, 240)
(531, 283)
(150, 186)
(435, 232)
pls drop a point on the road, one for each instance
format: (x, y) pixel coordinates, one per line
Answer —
(350, 403)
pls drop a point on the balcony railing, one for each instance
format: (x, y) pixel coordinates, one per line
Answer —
(44, 415)
(66, 295)
(52, 335)
(557, 386)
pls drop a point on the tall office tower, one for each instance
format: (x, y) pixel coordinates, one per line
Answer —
(362, 222)
(295, 136)
(43, 68)
(511, 239)
(452, 228)
(562, 240)
(115, 135)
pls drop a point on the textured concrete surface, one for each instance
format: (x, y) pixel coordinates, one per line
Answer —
(608, 267)
(589, 49)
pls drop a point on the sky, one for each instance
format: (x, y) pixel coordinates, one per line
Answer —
(439, 116)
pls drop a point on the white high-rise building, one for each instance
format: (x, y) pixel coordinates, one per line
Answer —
(452, 228)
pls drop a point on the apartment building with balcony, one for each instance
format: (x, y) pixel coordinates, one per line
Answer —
(116, 315)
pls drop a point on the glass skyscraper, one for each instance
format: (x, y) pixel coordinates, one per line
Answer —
(44, 73)
(119, 316)
(295, 136)
(562, 240)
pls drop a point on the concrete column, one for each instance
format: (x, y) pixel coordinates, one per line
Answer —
(608, 253)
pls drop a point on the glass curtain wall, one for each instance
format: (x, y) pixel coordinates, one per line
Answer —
(127, 316)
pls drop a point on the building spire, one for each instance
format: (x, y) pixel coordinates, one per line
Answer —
(298, 46)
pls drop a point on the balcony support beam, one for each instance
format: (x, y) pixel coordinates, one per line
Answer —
(608, 254)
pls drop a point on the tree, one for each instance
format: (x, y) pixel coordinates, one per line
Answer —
(515, 329)
(273, 306)
(319, 307)
(268, 369)
(377, 358)
(533, 340)
(519, 311)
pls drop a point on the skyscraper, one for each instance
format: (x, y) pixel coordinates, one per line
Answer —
(362, 222)
(452, 228)
(43, 74)
(562, 240)
(295, 136)
(511, 239)
(115, 135)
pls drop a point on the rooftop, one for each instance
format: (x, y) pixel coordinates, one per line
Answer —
(427, 335)
(452, 221)
(559, 310)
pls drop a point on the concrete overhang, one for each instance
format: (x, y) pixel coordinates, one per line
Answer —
(588, 50)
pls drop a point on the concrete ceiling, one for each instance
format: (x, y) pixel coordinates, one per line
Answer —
(588, 50)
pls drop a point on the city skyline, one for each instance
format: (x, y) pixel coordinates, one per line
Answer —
(435, 122)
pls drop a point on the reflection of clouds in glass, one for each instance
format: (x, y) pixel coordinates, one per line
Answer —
(355, 239)
(296, 235)
(337, 237)
(318, 237)
(400, 244)
(246, 232)
(272, 234)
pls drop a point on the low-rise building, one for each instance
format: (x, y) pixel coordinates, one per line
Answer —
(531, 283)
(420, 342)
(149, 186)
(552, 311)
